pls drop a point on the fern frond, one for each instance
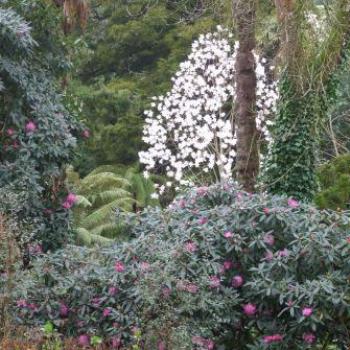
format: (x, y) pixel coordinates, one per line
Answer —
(103, 213)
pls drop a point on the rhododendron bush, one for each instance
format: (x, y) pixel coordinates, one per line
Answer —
(37, 135)
(218, 269)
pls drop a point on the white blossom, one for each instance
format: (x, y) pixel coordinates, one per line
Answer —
(191, 126)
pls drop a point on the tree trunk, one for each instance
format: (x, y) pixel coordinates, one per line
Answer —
(247, 158)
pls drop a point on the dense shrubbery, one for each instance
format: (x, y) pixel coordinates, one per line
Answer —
(334, 178)
(218, 267)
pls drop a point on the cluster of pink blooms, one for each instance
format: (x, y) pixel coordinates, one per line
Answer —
(22, 303)
(214, 282)
(293, 203)
(69, 201)
(309, 338)
(307, 311)
(112, 291)
(237, 281)
(84, 340)
(204, 343)
(202, 191)
(249, 309)
(30, 127)
(202, 220)
(35, 249)
(145, 266)
(274, 338)
(228, 234)
(64, 310)
(119, 266)
(190, 247)
(106, 312)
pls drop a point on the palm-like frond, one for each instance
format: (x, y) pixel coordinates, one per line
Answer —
(107, 188)
(104, 213)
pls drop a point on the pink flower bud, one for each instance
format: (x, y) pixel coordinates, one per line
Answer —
(30, 127)
(293, 203)
(119, 266)
(237, 281)
(307, 311)
(84, 340)
(64, 310)
(249, 309)
(309, 338)
(10, 131)
(228, 234)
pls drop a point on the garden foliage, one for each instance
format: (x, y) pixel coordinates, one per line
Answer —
(218, 269)
(38, 135)
(334, 178)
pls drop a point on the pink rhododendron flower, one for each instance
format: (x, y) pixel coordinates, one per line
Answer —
(207, 344)
(161, 345)
(96, 301)
(67, 205)
(202, 191)
(268, 256)
(22, 303)
(192, 288)
(116, 342)
(106, 312)
(145, 266)
(71, 198)
(86, 133)
(202, 220)
(30, 127)
(283, 253)
(112, 290)
(307, 311)
(119, 266)
(214, 282)
(293, 203)
(210, 344)
(228, 264)
(182, 203)
(269, 239)
(64, 310)
(33, 306)
(275, 338)
(309, 338)
(237, 281)
(10, 131)
(84, 340)
(249, 309)
(190, 247)
(228, 234)
(266, 211)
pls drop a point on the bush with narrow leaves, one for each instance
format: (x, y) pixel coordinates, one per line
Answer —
(218, 269)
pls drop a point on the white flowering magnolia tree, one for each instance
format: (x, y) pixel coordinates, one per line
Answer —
(192, 127)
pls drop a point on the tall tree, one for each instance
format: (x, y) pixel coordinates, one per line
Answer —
(307, 62)
(247, 159)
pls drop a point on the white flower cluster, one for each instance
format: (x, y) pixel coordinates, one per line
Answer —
(191, 126)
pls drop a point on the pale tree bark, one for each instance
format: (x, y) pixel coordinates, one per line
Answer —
(247, 158)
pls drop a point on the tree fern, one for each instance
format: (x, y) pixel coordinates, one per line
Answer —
(106, 189)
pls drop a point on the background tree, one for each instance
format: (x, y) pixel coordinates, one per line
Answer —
(307, 63)
(247, 158)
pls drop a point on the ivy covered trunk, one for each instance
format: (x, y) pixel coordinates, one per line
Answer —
(247, 159)
(291, 162)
